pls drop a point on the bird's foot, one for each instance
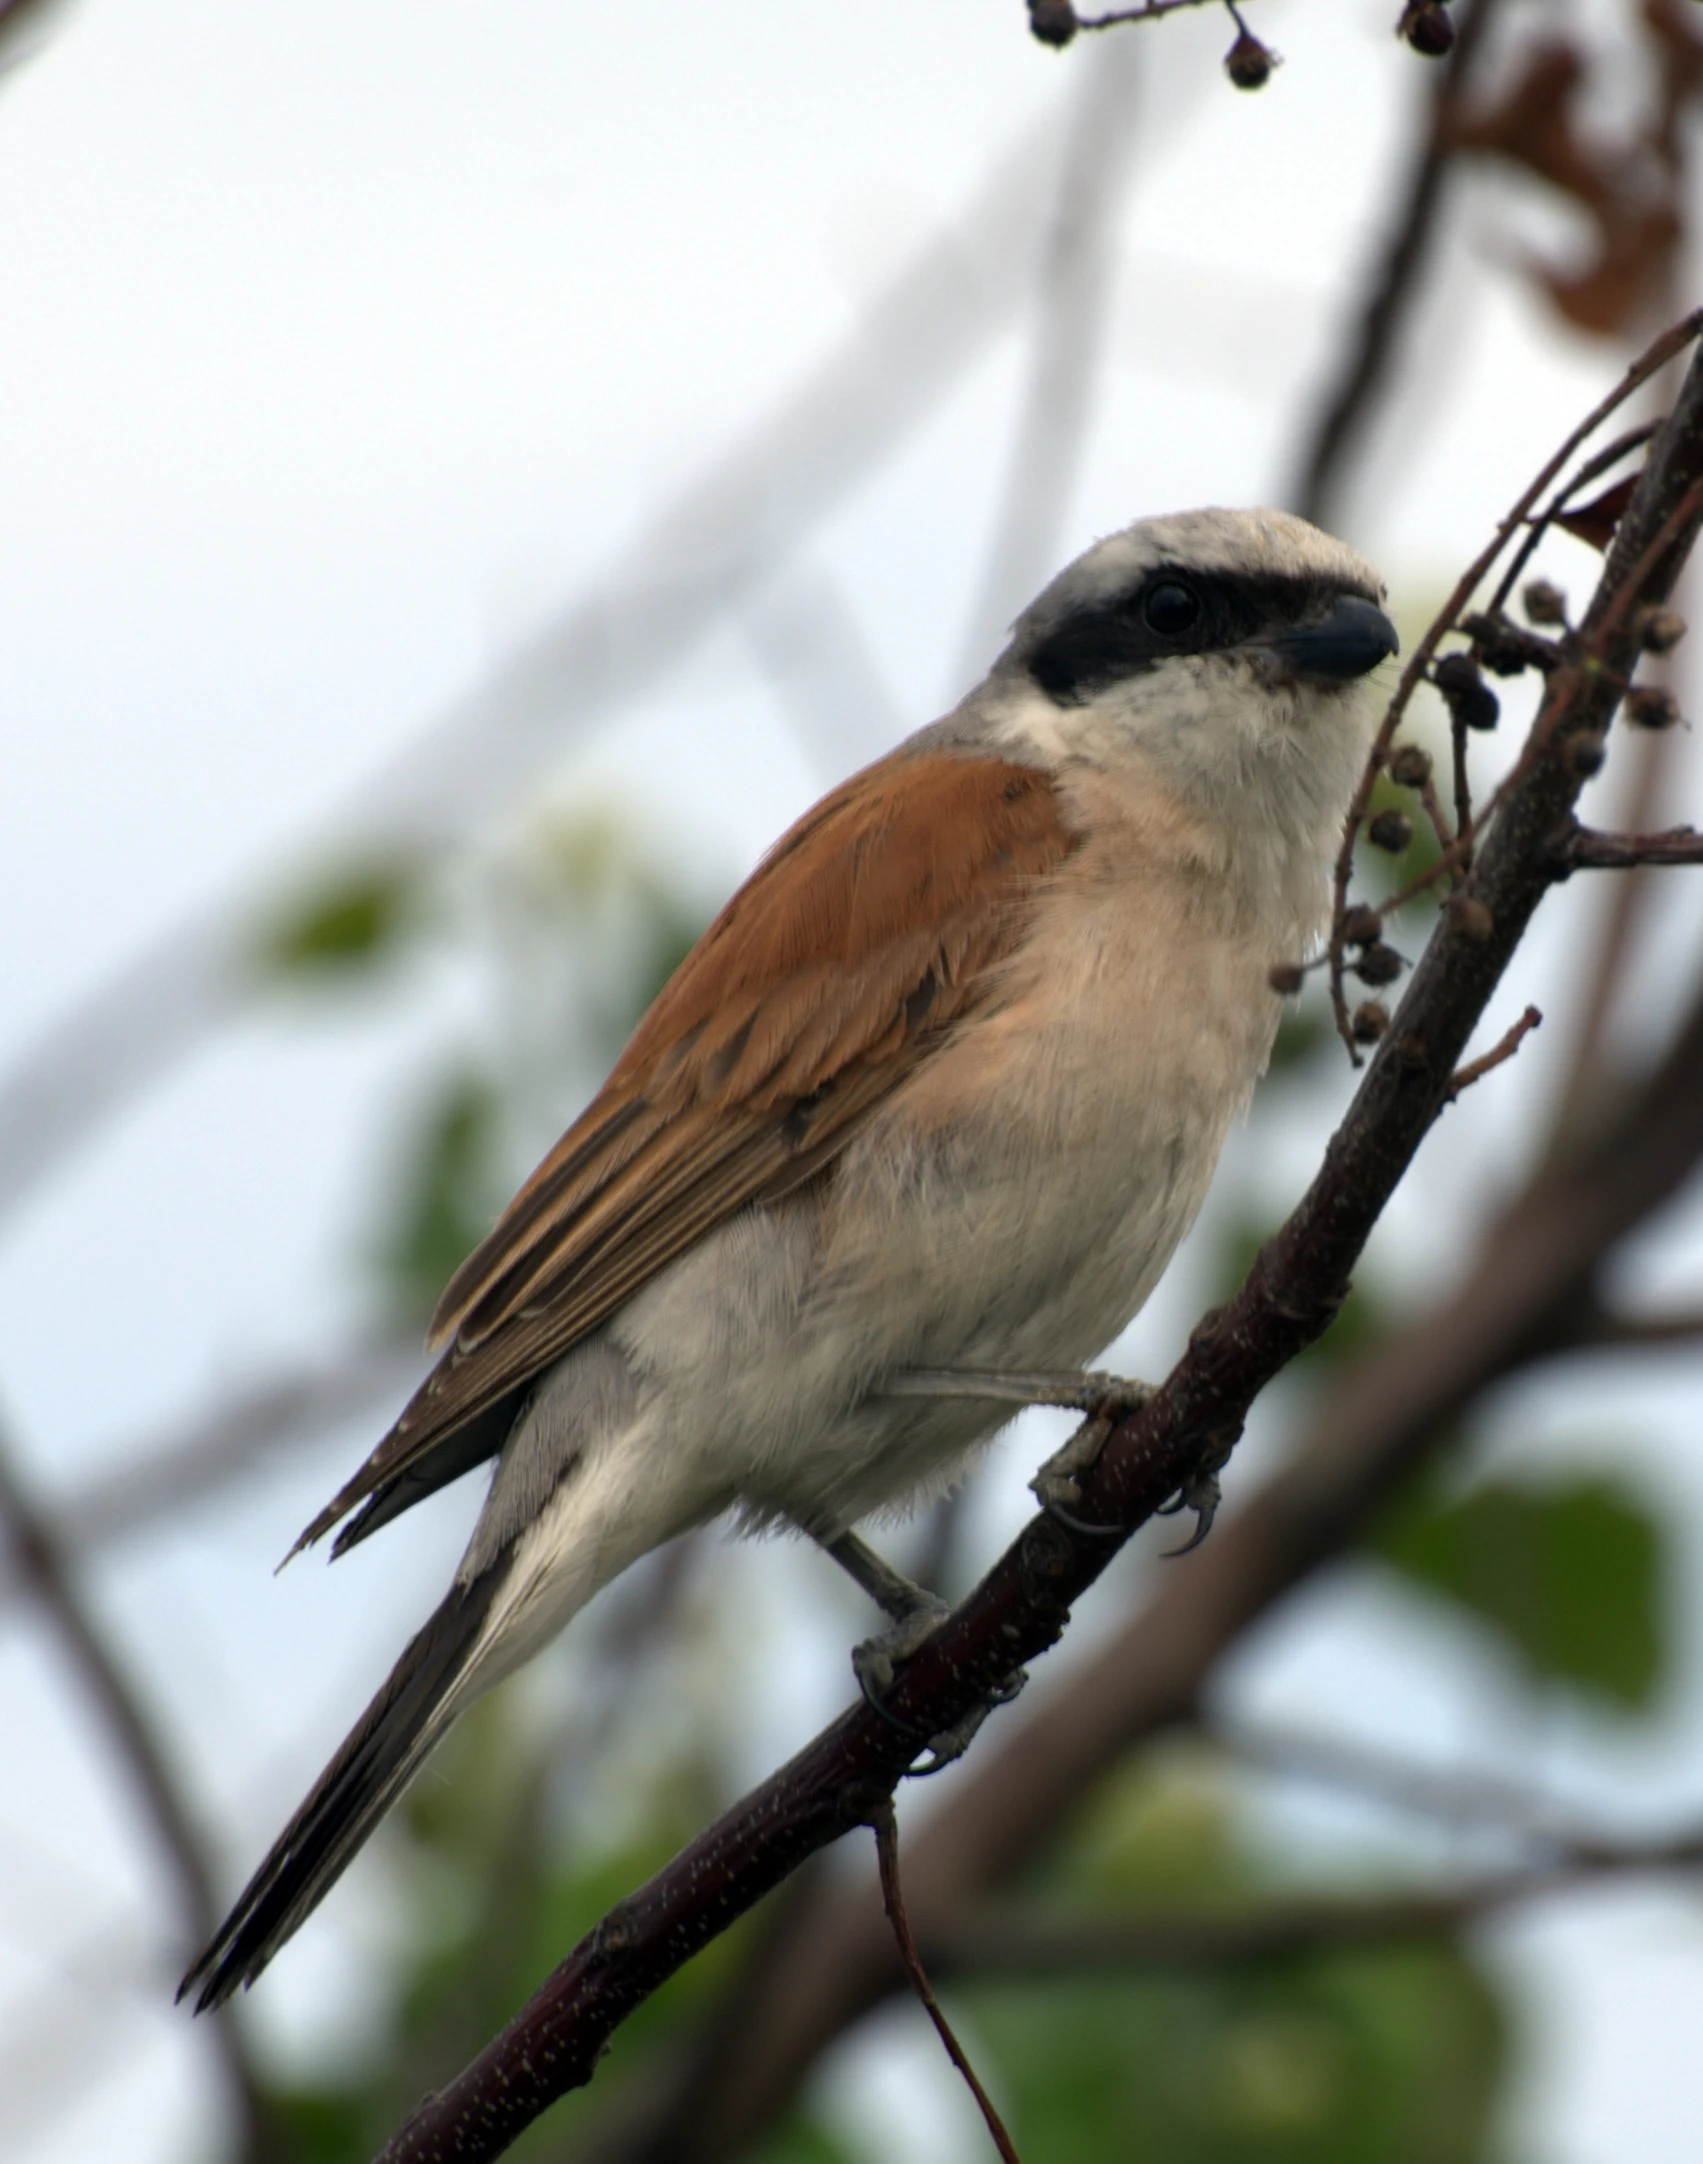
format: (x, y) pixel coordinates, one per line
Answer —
(1106, 1399)
(1201, 1494)
(916, 1615)
(877, 1660)
(953, 1742)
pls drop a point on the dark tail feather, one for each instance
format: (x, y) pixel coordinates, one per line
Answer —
(377, 1758)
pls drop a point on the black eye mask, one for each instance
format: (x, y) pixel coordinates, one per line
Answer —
(1175, 611)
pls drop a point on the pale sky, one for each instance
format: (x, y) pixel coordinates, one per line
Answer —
(345, 349)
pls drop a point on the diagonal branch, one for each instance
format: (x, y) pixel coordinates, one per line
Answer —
(39, 1562)
(825, 1961)
(1007, 1941)
(230, 1441)
(1185, 1430)
(702, 555)
(1348, 405)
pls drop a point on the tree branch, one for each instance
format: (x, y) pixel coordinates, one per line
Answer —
(1503, 1049)
(1394, 287)
(39, 1562)
(1012, 1942)
(1582, 849)
(701, 555)
(1188, 1427)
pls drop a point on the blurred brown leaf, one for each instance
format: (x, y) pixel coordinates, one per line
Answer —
(1594, 522)
(1632, 189)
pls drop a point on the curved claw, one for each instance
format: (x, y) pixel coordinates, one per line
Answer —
(1201, 1494)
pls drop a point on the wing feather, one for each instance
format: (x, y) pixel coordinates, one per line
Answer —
(872, 928)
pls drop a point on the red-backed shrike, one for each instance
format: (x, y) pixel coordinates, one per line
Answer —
(932, 1100)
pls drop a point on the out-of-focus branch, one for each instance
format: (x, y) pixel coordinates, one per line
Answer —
(1601, 1329)
(1185, 1430)
(823, 671)
(1392, 287)
(687, 568)
(1458, 1796)
(1070, 319)
(231, 1442)
(1006, 1942)
(36, 1555)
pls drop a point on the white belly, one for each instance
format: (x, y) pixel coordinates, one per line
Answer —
(1012, 1208)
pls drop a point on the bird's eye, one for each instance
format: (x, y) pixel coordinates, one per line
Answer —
(1170, 608)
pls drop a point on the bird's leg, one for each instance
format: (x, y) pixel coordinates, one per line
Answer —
(1076, 1389)
(917, 1614)
(1106, 1399)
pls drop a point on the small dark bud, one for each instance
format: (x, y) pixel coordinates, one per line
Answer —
(1469, 916)
(1585, 752)
(1470, 699)
(1285, 977)
(1659, 630)
(1369, 1021)
(1543, 602)
(1650, 706)
(1378, 965)
(1361, 925)
(1052, 21)
(1427, 28)
(1410, 765)
(1505, 649)
(1248, 63)
(1391, 830)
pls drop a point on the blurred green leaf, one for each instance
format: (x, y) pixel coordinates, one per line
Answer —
(1369, 2056)
(354, 917)
(1365, 2058)
(449, 1192)
(1569, 1572)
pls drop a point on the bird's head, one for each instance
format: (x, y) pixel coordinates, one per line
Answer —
(1226, 651)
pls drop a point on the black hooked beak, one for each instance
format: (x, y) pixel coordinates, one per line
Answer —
(1352, 637)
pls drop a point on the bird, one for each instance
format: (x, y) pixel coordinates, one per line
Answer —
(909, 1136)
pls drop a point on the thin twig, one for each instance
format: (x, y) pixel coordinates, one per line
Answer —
(1503, 1049)
(1539, 524)
(1148, 11)
(1656, 357)
(1584, 849)
(1457, 1796)
(893, 1901)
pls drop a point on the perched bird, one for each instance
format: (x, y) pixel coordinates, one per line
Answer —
(915, 1127)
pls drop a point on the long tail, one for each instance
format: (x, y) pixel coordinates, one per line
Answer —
(420, 1698)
